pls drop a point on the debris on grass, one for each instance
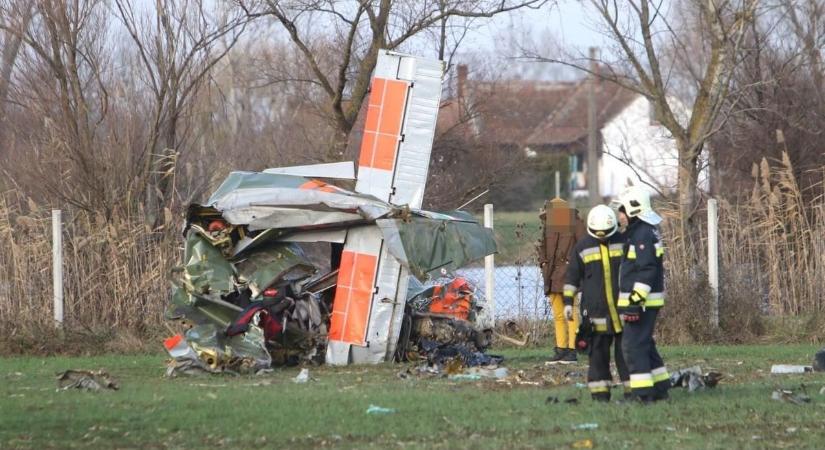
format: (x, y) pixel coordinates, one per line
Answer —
(586, 426)
(819, 361)
(788, 368)
(88, 380)
(464, 377)
(479, 373)
(379, 410)
(694, 379)
(302, 377)
(584, 443)
(551, 400)
(789, 396)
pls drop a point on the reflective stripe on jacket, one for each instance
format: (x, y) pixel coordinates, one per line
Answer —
(642, 269)
(594, 270)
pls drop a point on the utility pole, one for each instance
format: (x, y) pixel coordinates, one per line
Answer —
(592, 133)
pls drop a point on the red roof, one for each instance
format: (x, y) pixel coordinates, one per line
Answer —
(534, 113)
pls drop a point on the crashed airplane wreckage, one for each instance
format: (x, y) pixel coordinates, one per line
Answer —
(253, 299)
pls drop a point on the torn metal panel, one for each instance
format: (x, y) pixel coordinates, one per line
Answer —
(205, 268)
(208, 349)
(268, 217)
(340, 170)
(271, 265)
(248, 189)
(336, 236)
(425, 245)
(89, 380)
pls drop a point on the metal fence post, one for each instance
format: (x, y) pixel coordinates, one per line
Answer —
(713, 259)
(489, 268)
(57, 266)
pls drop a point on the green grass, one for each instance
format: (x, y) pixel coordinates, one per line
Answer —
(270, 411)
(516, 235)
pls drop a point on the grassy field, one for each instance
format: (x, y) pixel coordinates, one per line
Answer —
(150, 411)
(516, 235)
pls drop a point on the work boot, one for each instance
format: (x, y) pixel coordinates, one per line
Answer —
(601, 397)
(558, 356)
(661, 396)
(569, 357)
(635, 399)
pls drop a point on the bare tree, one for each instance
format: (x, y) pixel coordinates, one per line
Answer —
(341, 60)
(65, 56)
(178, 44)
(643, 33)
(780, 106)
(13, 16)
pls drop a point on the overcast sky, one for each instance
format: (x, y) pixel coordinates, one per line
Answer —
(567, 27)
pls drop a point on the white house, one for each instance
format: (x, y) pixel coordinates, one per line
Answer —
(638, 150)
(541, 118)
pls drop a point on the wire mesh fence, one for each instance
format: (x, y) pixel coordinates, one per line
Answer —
(518, 286)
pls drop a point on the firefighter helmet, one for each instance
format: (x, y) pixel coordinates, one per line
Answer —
(636, 203)
(601, 222)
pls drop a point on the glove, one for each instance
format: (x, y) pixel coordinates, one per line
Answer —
(632, 313)
(636, 298)
(584, 335)
(568, 312)
(630, 317)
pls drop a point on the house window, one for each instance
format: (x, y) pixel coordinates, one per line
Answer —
(577, 178)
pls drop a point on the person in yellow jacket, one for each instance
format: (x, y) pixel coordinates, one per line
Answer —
(562, 228)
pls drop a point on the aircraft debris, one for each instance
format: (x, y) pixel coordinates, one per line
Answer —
(819, 361)
(788, 368)
(694, 379)
(378, 410)
(88, 380)
(256, 300)
(789, 396)
(302, 377)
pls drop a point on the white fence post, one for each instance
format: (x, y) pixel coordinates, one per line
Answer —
(558, 185)
(57, 266)
(489, 269)
(713, 259)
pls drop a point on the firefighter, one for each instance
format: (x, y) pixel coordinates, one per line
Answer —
(562, 228)
(594, 270)
(641, 294)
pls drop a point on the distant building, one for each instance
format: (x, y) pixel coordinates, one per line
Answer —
(549, 119)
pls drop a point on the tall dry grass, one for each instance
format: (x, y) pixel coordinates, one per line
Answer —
(772, 261)
(115, 271)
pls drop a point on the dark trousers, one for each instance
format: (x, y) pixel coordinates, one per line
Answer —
(599, 379)
(648, 374)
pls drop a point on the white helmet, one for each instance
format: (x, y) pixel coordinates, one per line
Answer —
(636, 203)
(601, 222)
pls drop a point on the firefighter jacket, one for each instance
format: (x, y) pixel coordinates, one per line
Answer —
(642, 275)
(561, 228)
(594, 271)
